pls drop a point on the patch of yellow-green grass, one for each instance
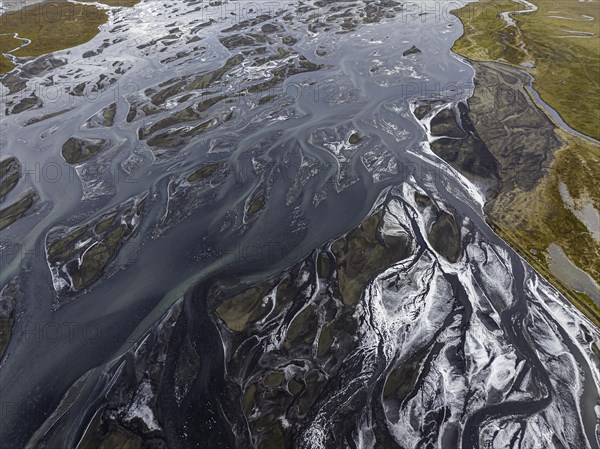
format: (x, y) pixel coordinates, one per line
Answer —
(7, 43)
(51, 26)
(566, 68)
(54, 26)
(532, 221)
(485, 36)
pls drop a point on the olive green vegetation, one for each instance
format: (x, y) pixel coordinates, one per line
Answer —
(104, 238)
(51, 26)
(117, 439)
(10, 173)
(61, 249)
(257, 204)
(274, 379)
(361, 254)
(401, 381)
(248, 399)
(16, 210)
(445, 238)
(325, 340)
(10, 296)
(486, 36)
(6, 325)
(303, 327)
(567, 76)
(244, 308)
(422, 200)
(105, 224)
(7, 43)
(204, 171)
(566, 68)
(266, 99)
(96, 259)
(532, 221)
(354, 139)
(321, 329)
(76, 151)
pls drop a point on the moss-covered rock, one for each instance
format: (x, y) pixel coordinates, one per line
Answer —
(445, 238)
(17, 209)
(10, 173)
(76, 151)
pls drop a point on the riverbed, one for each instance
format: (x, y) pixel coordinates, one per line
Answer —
(304, 158)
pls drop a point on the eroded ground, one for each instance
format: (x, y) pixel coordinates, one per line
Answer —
(531, 212)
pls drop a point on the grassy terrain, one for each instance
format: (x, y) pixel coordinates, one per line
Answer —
(567, 77)
(532, 221)
(7, 42)
(577, 165)
(51, 26)
(566, 69)
(485, 37)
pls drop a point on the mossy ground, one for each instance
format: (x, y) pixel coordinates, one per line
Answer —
(532, 221)
(51, 26)
(566, 68)
(485, 37)
(7, 43)
(567, 77)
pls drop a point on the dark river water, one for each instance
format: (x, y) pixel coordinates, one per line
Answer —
(292, 151)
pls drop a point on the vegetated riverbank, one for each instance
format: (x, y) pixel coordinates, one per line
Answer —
(50, 26)
(558, 44)
(534, 218)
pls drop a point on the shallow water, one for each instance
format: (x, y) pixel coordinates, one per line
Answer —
(293, 151)
(572, 275)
